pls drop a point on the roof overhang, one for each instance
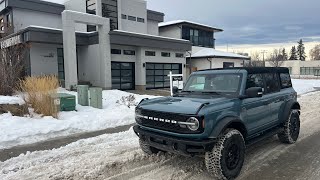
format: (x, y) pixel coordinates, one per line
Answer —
(36, 5)
(190, 24)
(217, 57)
(54, 36)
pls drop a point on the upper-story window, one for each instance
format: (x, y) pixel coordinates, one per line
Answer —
(179, 55)
(198, 37)
(132, 18)
(129, 52)
(123, 16)
(109, 10)
(165, 54)
(150, 53)
(9, 20)
(140, 20)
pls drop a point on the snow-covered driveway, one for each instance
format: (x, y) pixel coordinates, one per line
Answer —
(118, 156)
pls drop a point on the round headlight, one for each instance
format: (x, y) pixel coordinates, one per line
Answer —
(194, 124)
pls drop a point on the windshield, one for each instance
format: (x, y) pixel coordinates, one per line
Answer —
(214, 83)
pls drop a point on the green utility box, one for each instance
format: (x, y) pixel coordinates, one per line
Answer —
(66, 102)
(96, 97)
(83, 99)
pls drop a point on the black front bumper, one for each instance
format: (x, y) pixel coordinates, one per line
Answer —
(174, 144)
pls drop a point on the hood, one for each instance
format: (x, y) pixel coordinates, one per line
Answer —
(180, 105)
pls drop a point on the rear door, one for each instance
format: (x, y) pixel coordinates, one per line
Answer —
(274, 98)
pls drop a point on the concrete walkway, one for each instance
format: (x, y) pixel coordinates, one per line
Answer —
(57, 142)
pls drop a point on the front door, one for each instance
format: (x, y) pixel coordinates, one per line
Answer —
(255, 111)
(123, 77)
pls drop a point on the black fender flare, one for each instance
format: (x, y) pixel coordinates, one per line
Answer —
(224, 123)
(293, 104)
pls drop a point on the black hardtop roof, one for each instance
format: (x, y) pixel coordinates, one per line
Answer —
(255, 69)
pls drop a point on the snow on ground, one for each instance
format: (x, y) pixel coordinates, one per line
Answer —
(25, 130)
(303, 86)
(117, 156)
(11, 100)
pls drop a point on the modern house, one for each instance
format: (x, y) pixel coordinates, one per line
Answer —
(108, 43)
(203, 54)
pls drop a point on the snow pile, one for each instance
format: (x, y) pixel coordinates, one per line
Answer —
(25, 130)
(11, 100)
(80, 160)
(303, 86)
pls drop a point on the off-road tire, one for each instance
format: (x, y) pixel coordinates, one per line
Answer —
(291, 128)
(147, 148)
(217, 161)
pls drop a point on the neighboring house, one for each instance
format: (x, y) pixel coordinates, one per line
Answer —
(137, 57)
(203, 53)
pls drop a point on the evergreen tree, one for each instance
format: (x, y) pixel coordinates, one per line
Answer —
(284, 54)
(293, 54)
(301, 51)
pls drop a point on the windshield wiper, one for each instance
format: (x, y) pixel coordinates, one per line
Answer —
(210, 92)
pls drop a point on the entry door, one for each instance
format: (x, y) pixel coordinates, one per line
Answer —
(123, 75)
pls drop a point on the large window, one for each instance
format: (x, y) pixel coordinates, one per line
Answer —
(122, 75)
(228, 64)
(109, 10)
(198, 37)
(309, 70)
(157, 74)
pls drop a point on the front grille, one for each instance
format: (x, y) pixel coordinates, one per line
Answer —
(167, 126)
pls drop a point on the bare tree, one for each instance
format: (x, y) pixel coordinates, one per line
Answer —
(315, 52)
(255, 56)
(255, 60)
(276, 58)
(12, 60)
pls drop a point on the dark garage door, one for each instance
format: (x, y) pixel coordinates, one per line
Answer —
(157, 74)
(122, 75)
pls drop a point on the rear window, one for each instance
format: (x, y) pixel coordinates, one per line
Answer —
(285, 80)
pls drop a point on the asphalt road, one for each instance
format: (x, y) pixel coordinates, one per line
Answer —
(300, 161)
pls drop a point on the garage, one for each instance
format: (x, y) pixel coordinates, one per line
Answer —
(157, 74)
(123, 77)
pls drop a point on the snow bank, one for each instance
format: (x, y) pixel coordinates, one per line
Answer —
(80, 160)
(11, 100)
(25, 130)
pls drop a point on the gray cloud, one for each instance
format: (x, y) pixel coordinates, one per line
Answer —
(249, 21)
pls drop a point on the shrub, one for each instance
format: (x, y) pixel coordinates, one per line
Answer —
(127, 100)
(38, 92)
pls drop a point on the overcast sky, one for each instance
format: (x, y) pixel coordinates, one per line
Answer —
(249, 21)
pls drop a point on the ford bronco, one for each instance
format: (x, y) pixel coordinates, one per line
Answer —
(218, 113)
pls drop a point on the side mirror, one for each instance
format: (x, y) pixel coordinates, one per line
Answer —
(254, 92)
(175, 90)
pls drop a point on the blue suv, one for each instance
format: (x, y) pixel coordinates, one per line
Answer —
(218, 113)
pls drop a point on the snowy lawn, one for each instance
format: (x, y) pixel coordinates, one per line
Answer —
(25, 130)
(303, 86)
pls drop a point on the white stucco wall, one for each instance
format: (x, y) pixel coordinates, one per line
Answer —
(296, 65)
(171, 31)
(136, 8)
(203, 63)
(153, 27)
(79, 6)
(89, 64)
(23, 18)
(40, 60)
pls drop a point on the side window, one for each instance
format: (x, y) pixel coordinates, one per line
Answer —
(272, 82)
(254, 80)
(285, 80)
